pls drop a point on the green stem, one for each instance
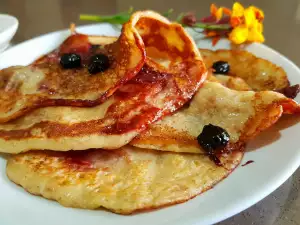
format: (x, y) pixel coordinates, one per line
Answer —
(212, 26)
(116, 19)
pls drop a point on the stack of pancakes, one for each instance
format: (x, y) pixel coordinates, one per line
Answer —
(126, 138)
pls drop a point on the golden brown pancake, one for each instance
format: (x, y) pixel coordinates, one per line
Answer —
(47, 83)
(122, 181)
(260, 74)
(235, 83)
(243, 114)
(173, 72)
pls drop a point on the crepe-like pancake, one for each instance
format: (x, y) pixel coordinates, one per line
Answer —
(260, 74)
(161, 87)
(243, 114)
(47, 83)
(122, 181)
(235, 83)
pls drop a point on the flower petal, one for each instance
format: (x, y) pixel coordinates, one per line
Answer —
(227, 11)
(237, 10)
(239, 34)
(215, 40)
(235, 21)
(213, 9)
(224, 20)
(249, 16)
(209, 19)
(258, 26)
(219, 13)
(255, 36)
(255, 32)
(259, 14)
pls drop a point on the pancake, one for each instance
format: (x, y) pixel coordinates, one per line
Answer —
(260, 74)
(47, 83)
(243, 114)
(122, 181)
(167, 81)
(235, 83)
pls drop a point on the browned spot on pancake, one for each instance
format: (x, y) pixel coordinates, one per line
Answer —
(75, 82)
(165, 136)
(154, 37)
(5, 76)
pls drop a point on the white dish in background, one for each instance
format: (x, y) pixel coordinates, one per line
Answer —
(8, 28)
(273, 163)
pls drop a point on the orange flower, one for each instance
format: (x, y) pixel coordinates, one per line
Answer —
(239, 34)
(240, 24)
(247, 24)
(218, 12)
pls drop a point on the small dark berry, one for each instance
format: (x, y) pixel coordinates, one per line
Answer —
(98, 63)
(213, 138)
(221, 67)
(70, 61)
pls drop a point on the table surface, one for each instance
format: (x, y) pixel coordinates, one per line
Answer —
(282, 32)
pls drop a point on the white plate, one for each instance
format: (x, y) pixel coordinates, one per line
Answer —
(8, 28)
(273, 163)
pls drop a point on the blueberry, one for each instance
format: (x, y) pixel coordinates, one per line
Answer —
(213, 138)
(98, 63)
(221, 67)
(70, 61)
